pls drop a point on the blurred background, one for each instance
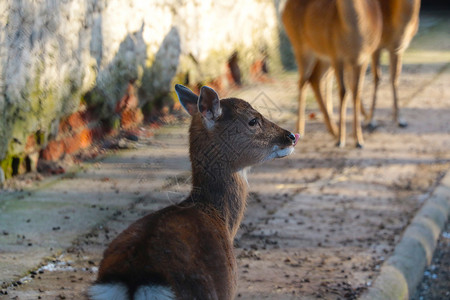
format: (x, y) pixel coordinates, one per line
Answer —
(72, 72)
(75, 71)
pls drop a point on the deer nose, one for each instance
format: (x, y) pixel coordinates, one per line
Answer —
(293, 137)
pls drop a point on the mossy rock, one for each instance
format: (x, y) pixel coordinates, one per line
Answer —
(6, 165)
(13, 165)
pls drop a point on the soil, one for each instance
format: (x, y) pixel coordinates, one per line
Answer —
(319, 224)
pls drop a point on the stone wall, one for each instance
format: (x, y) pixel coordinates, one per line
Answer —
(70, 69)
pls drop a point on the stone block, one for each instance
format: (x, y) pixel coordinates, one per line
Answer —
(62, 60)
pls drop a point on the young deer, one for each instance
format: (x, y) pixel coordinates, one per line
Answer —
(400, 24)
(343, 33)
(185, 251)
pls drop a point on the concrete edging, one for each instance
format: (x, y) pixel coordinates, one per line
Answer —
(403, 270)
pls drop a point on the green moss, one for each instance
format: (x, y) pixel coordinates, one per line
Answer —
(93, 98)
(6, 165)
(154, 89)
(214, 65)
(205, 70)
(41, 138)
(83, 99)
(42, 103)
(112, 83)
(13, 165)
(180, 78)
(164, 101)
(115, 123)
(148, 108)
(274, 55)
(112, 122)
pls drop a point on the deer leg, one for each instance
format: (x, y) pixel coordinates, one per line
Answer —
(316, 76)
(376, 72)
(329, 92)
(396, 69)
(357, 81)
(301, 106)
(339, 72)
(305, 67)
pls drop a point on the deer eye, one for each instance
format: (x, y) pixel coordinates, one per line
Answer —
(253, 122)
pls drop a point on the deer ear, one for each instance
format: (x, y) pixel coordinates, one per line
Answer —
(187, 99)
(209, 106)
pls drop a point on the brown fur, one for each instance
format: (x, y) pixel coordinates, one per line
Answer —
(400, 24)
(343, 33)
(189, 246)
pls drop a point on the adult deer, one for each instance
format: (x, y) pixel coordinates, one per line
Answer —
(185, 251)
(400, 24)
(342, 33)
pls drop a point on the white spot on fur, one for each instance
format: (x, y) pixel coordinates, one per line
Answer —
(209, 118)
(155, 292)
(110, 291)
(209, 123)
(244, 173)
(277, 152)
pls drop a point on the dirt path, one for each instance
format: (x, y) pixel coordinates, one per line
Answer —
(318, 224)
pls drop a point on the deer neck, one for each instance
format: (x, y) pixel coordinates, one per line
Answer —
(224, 191)
(216, 184)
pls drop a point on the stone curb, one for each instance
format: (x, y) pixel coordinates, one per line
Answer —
(402, 272)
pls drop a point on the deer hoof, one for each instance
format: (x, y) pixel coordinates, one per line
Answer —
(340, 144)
(359, 145)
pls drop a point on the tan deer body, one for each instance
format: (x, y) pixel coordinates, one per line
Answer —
(340, 33)
(400, 24)
(185, 251)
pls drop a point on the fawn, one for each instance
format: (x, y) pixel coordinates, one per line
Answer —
(185, 251)
(400, 24)
(340, 33)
